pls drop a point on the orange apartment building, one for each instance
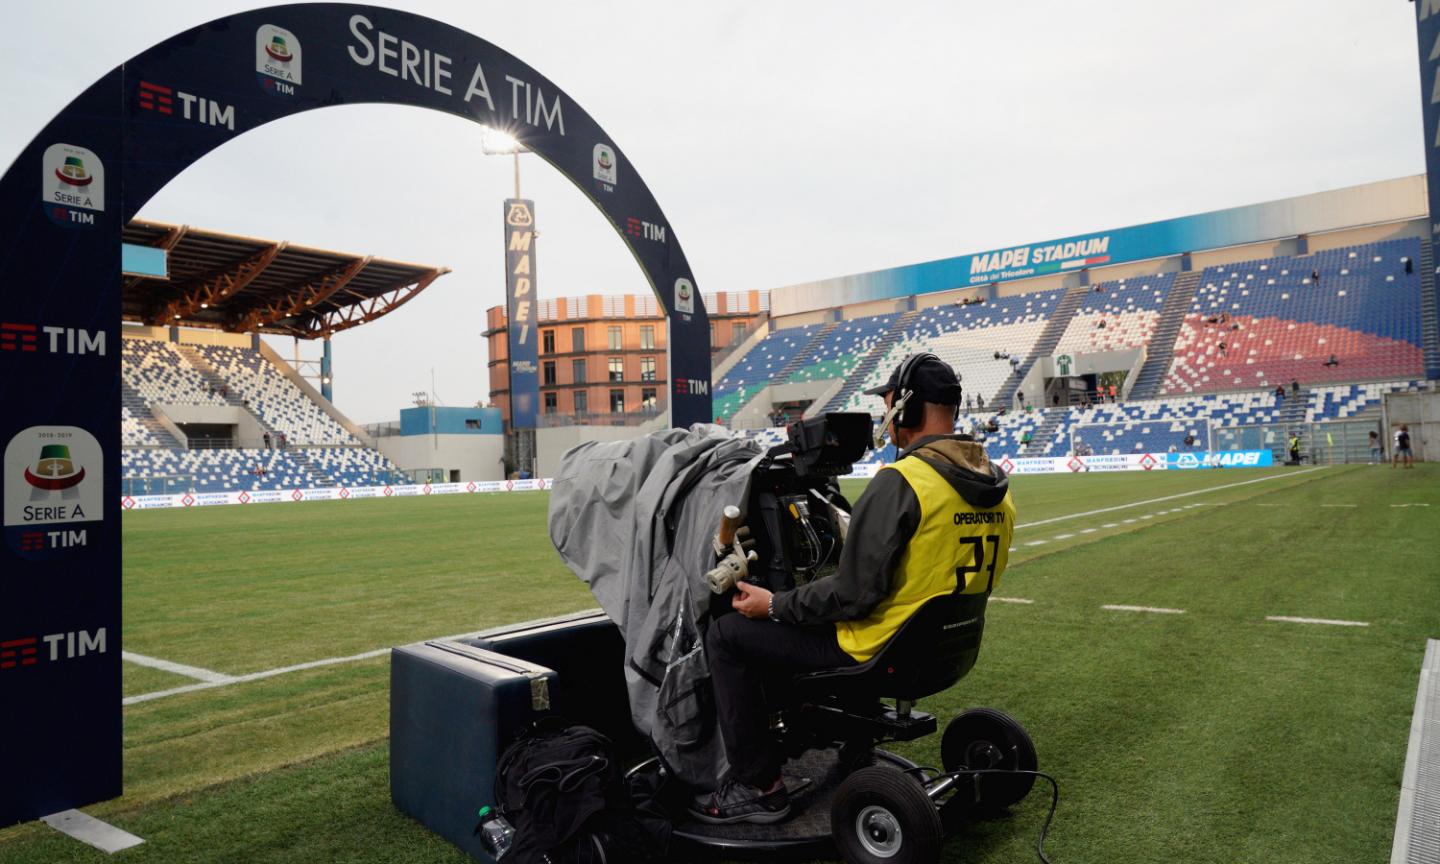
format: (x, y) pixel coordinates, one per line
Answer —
(602, 358)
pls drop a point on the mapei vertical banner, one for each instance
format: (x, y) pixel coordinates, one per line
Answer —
(1427, 22)
(521, 307)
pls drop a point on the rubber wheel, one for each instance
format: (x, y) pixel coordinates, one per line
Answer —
(984, 738)
(881, 816)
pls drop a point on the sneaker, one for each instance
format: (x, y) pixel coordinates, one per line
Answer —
(739, 802)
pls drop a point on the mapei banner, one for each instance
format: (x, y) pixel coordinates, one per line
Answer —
(1220, 459)
(520, 307)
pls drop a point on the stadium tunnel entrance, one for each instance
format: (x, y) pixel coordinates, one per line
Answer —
(64, 203)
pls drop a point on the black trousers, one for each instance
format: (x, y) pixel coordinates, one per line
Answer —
(746, 654)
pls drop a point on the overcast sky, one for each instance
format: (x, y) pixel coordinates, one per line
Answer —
(785, 141)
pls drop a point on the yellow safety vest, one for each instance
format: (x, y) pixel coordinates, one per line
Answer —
(954, 539)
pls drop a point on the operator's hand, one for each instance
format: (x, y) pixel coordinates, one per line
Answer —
(752, 601)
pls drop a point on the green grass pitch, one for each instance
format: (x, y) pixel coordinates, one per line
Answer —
(1209, 736)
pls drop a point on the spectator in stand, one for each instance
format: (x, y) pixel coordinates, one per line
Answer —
(980, 402)
(266, 439)
(1295, 387)
(1409, 266)
(1222, 349)
(1402, 448)
(1332, 362)
(993, 425)
(1114, 394)
(1026, 438)
(1374, 447)
(969, 403)
(1055, 400)
(1279, 395)
(1315, 276)
(1189, 441)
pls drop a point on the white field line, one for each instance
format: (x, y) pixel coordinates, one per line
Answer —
(1020, 600)
(1156, 609)
(330, 661)
(1339, 505)
(1164, 499)
(1331, 621)
(178, 668)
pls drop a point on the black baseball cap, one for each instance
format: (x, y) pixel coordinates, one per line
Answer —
(932, 379)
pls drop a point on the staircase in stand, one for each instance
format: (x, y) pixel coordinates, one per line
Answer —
(1161, 349)
(131, 398)
(1292, 413)
(867, 364)
(802, 357)
(318, 477)
(1044, 346)
(216, 383)
(1040, 438)
(1429, 319)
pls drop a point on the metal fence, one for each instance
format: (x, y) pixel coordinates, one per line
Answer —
(157, 485)
(1332, 443)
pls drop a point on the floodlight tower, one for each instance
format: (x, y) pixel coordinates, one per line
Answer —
(495, 142)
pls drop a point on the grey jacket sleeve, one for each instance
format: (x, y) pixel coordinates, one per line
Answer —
(885, 518)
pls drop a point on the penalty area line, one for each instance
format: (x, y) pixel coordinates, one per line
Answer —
(328, 661)
(195, 672)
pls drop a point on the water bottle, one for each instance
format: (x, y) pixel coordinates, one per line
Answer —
(496, 834)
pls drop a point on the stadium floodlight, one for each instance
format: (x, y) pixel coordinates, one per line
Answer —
(496, 142)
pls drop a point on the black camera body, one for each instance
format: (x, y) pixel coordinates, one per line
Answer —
(789, 512)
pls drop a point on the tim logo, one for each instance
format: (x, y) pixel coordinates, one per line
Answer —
(197, 109)
(277, 60)
(27, 651)
(692, 387)
(72, 185)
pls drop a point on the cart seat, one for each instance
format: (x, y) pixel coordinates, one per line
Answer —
(931, 651)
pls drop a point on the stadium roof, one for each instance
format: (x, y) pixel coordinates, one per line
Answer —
(246, 284)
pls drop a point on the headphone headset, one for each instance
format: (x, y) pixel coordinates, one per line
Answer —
(906, 412)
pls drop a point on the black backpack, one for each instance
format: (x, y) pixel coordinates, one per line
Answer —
(562, 789)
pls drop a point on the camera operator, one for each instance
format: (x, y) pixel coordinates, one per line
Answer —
(901, 550)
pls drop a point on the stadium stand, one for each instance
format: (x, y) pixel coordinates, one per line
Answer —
(842, 349)
(160, 374)
(759, 367)
(967, 337)
(320, 451)
(1277, 323)
(272, 397)
(1116, 316)
(352, 466)
(219, 470)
